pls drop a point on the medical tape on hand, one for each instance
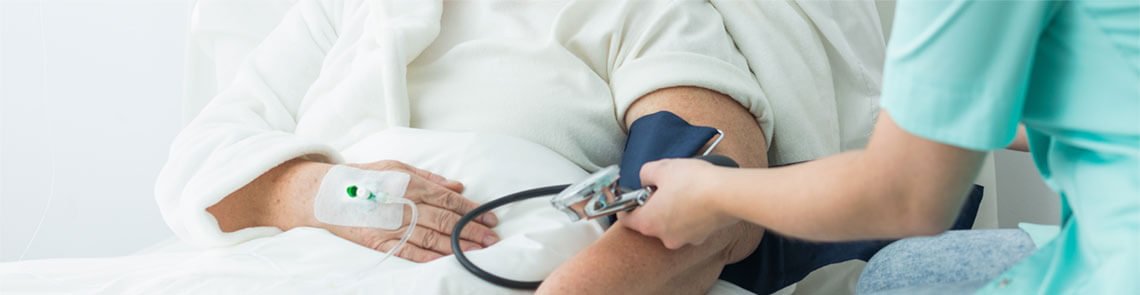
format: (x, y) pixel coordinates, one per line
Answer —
(365, 198)
(362, 198)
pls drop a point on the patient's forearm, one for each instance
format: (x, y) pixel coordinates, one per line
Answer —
(277, 198)
(624, 261)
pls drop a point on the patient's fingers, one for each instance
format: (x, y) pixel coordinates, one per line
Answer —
(435, 241)
(456, 203)
(397, 165)
(444, 221)
(435, 178)
(466, 246)
(410, 251)
(430, 239)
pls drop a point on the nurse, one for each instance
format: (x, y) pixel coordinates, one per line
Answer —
(960, 76)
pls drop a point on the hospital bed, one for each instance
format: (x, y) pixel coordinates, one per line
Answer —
(220, 39)
(222, 33)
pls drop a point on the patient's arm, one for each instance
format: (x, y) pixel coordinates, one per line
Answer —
(624, 261)
(283, 198)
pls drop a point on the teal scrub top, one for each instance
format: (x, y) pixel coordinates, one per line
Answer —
(965, 73)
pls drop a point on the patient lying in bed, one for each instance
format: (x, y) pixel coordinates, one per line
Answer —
(339, 80)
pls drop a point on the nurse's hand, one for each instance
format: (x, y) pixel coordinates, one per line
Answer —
(679, 211)
(440, 206)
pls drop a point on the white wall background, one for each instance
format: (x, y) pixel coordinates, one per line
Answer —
(1024, 197)
(89, 103)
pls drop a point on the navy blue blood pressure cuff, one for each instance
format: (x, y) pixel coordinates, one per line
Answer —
(778, 261)
(661, 135)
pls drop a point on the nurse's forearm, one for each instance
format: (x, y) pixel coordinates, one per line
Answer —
(900, 185)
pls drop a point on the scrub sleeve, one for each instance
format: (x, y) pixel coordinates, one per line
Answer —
(965, 73)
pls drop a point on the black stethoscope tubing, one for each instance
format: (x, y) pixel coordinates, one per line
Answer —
(515, 197)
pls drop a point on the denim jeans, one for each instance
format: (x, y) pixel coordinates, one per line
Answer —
(955, 262)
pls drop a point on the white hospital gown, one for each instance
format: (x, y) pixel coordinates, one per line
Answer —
(557, 73)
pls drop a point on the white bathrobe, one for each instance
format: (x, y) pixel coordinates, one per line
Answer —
(557, 73)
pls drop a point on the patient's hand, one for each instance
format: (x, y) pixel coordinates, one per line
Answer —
(440, 206)
(283, 198)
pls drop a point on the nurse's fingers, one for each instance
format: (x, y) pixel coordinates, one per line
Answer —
(636, 222)
(669, 170)
(642, 221)
(651, 171)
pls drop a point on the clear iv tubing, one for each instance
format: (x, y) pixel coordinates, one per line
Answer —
(407, 234)
(360, 277)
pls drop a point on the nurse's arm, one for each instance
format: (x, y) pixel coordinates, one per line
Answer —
(626, 262)
(900, 185)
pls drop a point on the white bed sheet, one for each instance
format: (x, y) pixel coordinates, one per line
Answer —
(536, 238)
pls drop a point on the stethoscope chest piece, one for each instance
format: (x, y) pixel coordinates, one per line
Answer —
(599, 195)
